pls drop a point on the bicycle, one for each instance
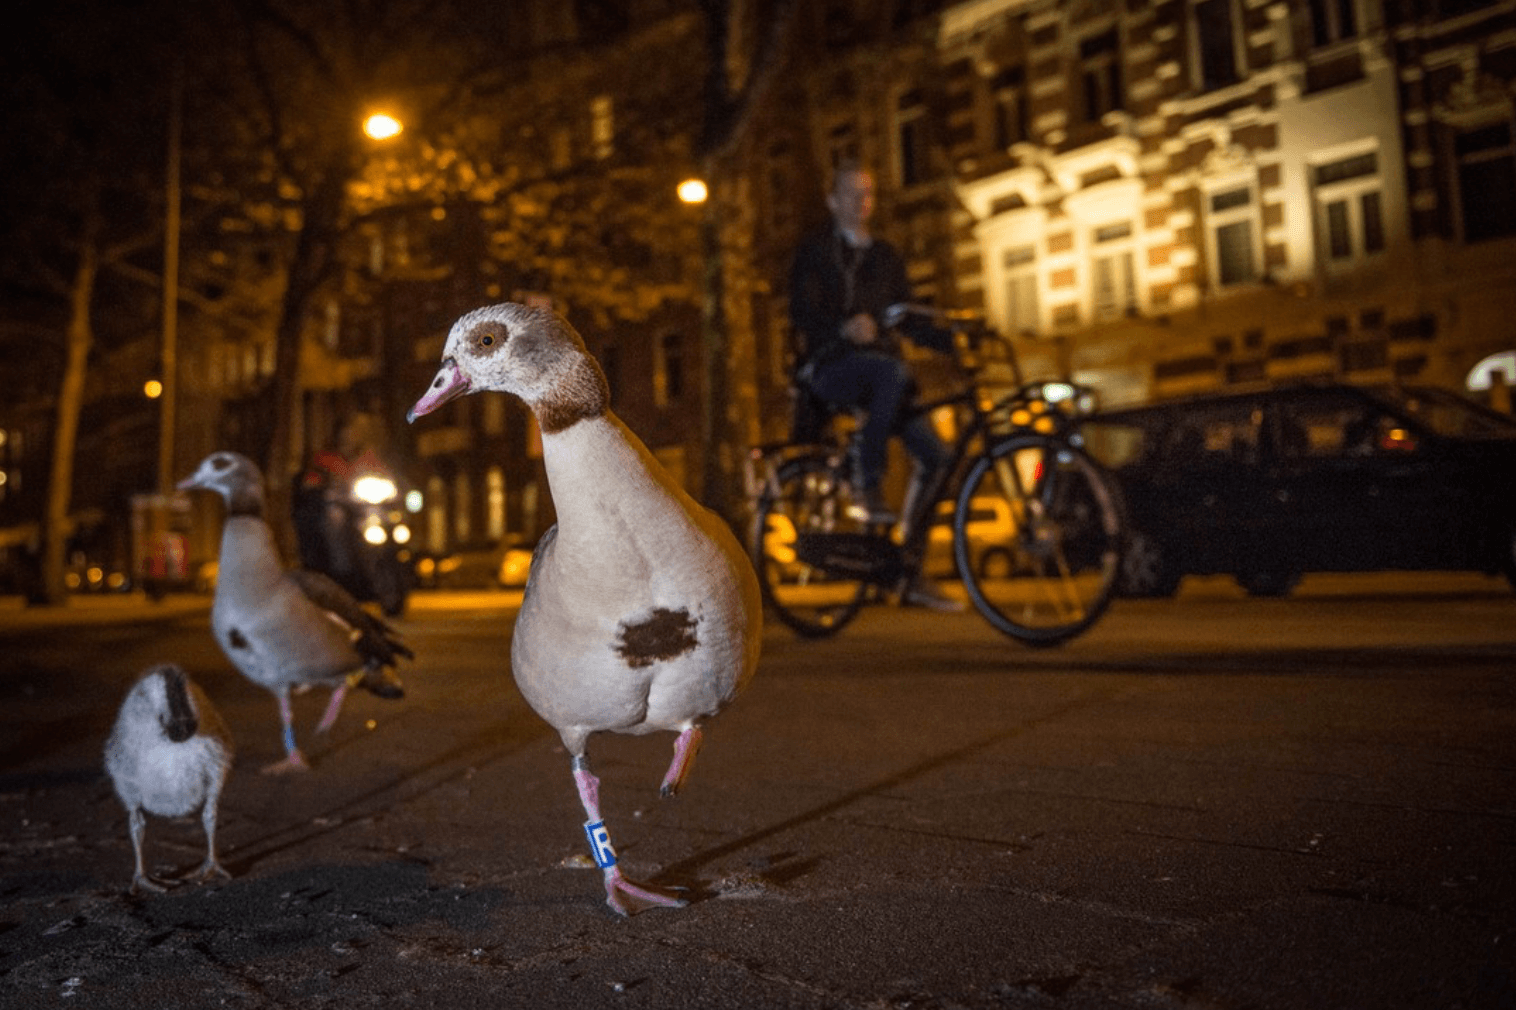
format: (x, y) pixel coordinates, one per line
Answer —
(1036, 523)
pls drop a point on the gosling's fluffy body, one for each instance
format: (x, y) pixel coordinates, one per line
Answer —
(169, 755)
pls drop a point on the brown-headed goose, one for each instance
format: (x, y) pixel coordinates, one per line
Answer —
(641, 612)
(169, 755)
(288, 629)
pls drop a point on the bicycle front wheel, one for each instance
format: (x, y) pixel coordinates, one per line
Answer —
(810, 498)
(1037, 537)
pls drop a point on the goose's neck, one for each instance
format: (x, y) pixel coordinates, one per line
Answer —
(597, 468)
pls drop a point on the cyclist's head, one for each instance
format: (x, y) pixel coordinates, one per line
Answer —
(851, 198)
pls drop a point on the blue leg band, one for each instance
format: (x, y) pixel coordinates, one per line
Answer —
(289, 739)
(600, 844)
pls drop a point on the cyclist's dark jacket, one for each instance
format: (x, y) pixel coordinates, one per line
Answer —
(821, 299)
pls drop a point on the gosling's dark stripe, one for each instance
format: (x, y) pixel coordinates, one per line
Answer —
(181, 722)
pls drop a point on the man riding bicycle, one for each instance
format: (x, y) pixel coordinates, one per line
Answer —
(841, 283)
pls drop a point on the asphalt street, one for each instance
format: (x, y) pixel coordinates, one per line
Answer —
(1210, 803)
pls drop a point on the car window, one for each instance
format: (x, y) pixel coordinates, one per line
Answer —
(1118, 442)
(1449, 414)
(1337, 427)
(1213, 433)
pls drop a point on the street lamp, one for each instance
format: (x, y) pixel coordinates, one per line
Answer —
(693, 191)
(382, 126)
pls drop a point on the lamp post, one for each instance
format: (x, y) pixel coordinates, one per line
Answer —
(168, 400)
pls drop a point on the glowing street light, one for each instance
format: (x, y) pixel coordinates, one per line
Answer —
(382, 126)
(152, 389)
(693, 191)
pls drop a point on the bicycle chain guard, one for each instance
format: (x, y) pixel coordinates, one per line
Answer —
(866, 556)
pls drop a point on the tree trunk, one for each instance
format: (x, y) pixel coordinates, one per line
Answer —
(79, 337)
(716, 436)
(728, 114)
(315, 252)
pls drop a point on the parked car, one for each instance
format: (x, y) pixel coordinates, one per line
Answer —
(1270, 484)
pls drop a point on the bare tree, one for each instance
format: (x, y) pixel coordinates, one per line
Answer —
(737, 79)
(81, 205)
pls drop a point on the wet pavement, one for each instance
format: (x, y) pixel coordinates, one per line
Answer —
(1207, 803)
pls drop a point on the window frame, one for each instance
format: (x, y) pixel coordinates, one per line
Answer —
(1100, 76)
(911, 138)
(1346, 198)
(1245, 212)
(1019, 276)
(1238, 58)
(1490, 155)
(1119, 249)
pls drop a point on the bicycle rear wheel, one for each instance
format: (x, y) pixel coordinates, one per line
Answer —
(810, 498)
(1037, 537)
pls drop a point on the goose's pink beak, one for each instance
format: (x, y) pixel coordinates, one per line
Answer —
(449, 384)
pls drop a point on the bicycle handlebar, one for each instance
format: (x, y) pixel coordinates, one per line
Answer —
(1069, 398)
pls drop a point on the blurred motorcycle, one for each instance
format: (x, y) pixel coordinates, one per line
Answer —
(356, 534)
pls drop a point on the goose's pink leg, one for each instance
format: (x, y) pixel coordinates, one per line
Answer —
(684, 757)
(623, 895)
(293, 761)
(332, 708)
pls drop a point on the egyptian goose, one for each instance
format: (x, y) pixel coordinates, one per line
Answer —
(641, 612)
(288, 629)
(169, 755)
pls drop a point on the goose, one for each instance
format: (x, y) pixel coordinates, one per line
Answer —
(169, 754)
(288, 629)
(641, 611)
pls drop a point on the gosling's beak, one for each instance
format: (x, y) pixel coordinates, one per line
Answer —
(449, 384)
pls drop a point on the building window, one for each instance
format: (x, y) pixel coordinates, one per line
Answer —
(1113, 275)
(911, 138)
(494, 489)
(602, 126)
(668, 369)
(493, 410)
(1020, 265)
(842, 144)
(1217, 44)
(1333, 21)
(1100, 75)
(1348, 207)
(1486, 182)
(1009, 93)
(1233, 228)
(779, 198)
(463, 500)
(436, 515)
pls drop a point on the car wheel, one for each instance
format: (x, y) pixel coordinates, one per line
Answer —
(1148, 568)
(1268, 582)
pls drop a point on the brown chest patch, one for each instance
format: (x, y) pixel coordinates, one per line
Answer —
(662, 636)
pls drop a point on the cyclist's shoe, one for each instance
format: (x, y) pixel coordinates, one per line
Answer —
(923, 592)
(869, 506)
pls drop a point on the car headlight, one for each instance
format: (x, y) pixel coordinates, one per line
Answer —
(374, 490)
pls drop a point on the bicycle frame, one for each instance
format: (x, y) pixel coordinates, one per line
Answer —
(762, 467)
(1040, 569)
